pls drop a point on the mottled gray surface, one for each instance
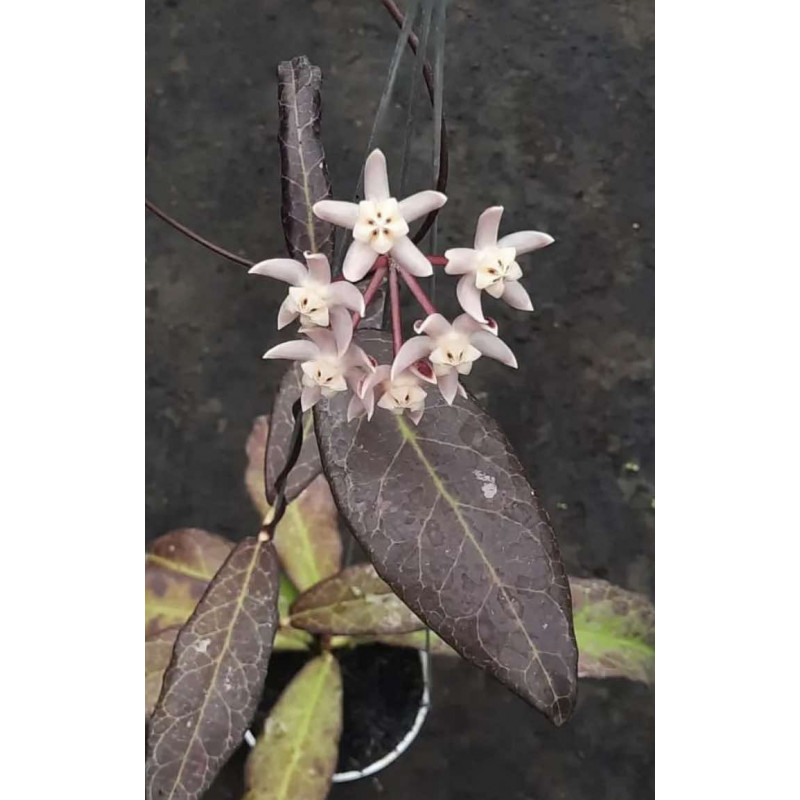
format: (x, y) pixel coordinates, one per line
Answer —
(550, 112)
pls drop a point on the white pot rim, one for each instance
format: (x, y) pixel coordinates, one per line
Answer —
(402, 745)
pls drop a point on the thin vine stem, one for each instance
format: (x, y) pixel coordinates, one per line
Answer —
(196, 237)
(418, 292)
(394, 300)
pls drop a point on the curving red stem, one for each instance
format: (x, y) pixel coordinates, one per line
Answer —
(394, 300)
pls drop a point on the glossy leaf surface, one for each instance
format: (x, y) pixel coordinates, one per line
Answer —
(449, 520)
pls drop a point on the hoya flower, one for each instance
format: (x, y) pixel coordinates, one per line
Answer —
(451, 349)
(396, 395)
(326, 370)
(312, 296)
(491, 265)
(380, 222)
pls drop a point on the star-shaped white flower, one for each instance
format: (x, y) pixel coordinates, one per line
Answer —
(325, 370)
(380, 223)
(491, 265)
(451, 349)
(312, 297)
(397, 395)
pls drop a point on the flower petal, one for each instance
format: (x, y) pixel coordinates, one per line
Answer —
(448, 386)
(309, 396)
(337, 211)
(516, 296)
(414, 349)
(297, 350)
(355, 408)
(360, 257)
(376, 180)
(420, 204)
(409, 256)
(287, 313)
(464, 323)
(434, 325)
(488, 225)
(462, 392)
(525, 241)
(342, 293)
(470, 297)
(494, 347)
(460, 260)
(416, 416)
(342, 327)
(323, 339)
(318, 267)
(284, 269)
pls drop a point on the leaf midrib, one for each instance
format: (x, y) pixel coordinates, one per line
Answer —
(410, 437)
(243, 592)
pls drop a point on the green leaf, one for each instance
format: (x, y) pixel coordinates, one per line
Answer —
(295, 756)
(176, 572)
(307, 538)
(355, 601)
(157, 655)
(287, 637)
(216, 676)
(304, 173)
(615, 629)
(449, 520)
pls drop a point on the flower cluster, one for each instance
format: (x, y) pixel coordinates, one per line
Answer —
(329, 310)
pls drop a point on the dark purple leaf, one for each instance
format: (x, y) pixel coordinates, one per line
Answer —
(281, 425)
(451, 524)
(214, 681)
(304, 174)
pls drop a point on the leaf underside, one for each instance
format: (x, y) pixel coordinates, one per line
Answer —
(213, 683)
(281, 426)
(295, 756)
(355, 601)
(450, 522)
(304, 173)
(615, 630)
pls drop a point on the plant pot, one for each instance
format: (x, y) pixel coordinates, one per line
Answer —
(385, 702)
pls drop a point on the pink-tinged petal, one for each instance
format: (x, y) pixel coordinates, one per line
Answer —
(356, 359)
(491, 326)
(287, 313)
(462, 392)
(376, 179)
(516, 296)
(464, 323)
(309, 396)
(488, 225)
(423, 370)
(360, 257)
(380, 374)
(525, 241)
(324, 340)
(460, 260)
(448, 386)
(409, 256)
(355, 408)
(318, 267)
(434, 325)
(469, 297)
(297, 350)
(414, 349)
(490, 345)
(420, 204)
(342, 327)
(343, 293)
(283, 269)
(416, 416)
(337, 211)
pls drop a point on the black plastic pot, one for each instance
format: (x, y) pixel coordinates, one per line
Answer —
(385, 702)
